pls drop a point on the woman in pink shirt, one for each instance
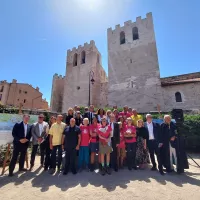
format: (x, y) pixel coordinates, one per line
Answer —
(105, 148)
(121, 147)
(94, 142)
(130, 140)
(121, 119)
(84, 146)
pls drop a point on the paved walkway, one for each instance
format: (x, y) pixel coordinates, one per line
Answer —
(39, 185)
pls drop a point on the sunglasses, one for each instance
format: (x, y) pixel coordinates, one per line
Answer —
(41, 117)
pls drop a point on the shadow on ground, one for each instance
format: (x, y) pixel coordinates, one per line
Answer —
(43, 180)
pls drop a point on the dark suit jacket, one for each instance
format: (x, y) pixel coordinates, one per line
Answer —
(156, 132)
(167, 132)
(18, 132)
(116, 133)
(88, 115)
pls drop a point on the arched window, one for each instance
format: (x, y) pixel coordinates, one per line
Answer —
(83, 57)
(135, 33)
(178, 97)
(122, 37)
(75, 59)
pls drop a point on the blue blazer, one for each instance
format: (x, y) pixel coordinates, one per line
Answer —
(18, 132)
(156, 131)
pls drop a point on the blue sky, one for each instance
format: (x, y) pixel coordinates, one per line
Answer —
(35, 34)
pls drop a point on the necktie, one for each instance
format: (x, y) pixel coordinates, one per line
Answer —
(90, 118)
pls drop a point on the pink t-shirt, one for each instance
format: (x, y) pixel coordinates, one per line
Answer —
(85, 135)
(94, 129)
(125, 115)
(130, 130)
(104, 132)
(122, 140)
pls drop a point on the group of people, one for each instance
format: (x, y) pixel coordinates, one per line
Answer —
(114, 138)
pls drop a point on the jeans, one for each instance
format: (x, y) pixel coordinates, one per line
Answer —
(83, 156)
(42, 153)
(131, 154)
(53, 156)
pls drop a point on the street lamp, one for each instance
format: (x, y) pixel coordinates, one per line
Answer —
(91, 80)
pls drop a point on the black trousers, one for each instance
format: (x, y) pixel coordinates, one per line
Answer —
(21, 149)
(70, 160)
(47, 162)
(114, 154)
(131, 154)
(153, 149)
(53, 156)
(42, 153)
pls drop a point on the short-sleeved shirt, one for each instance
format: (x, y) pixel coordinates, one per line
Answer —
(94, 129)
(131, 130)
(71, 137)
(56, 131)
(125, 115)
(122, 140)
(85, 135)
(135, 119)
(104, 132)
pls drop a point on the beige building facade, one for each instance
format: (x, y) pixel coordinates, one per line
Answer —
(133, 74)
(16, 94)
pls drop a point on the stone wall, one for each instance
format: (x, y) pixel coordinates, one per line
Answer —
(57, 93)
(76, 90)
(133, 70)
(190, 94)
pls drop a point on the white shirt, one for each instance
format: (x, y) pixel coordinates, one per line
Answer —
(91, 117)
(25, 129)
(40, 128)
(150, 129)
(112, 126)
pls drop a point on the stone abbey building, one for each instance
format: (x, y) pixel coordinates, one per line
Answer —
(133, 74)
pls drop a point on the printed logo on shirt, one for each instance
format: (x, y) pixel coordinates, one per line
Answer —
(85, 131)
(128, 131)
(103, 130)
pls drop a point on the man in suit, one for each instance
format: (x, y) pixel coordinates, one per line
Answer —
(153, 142)
(39, 133)
(22, 135)
(115, 139)
(90, 114)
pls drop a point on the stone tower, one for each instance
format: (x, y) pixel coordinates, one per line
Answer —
(57, 93)
(80, 61)
(133, 70)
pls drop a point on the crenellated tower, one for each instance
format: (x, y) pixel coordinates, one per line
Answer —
(133, 69)
(80, 61)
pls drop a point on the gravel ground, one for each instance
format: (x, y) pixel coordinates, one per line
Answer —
(124, 184)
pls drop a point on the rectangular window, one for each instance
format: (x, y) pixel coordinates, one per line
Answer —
(2, 88)
(0, 97)
(25, 92)
(20, 91)
(24, 100)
